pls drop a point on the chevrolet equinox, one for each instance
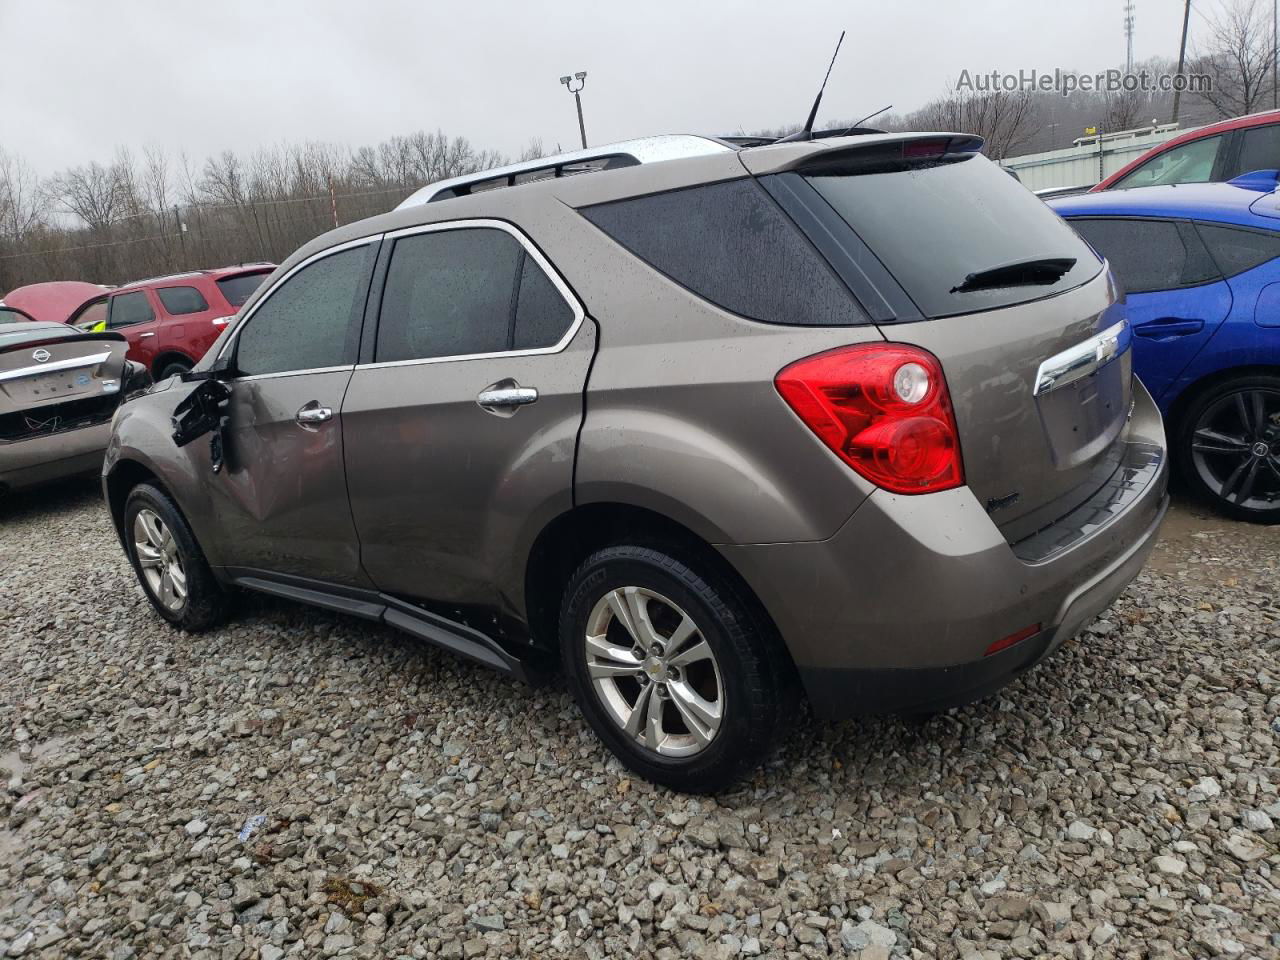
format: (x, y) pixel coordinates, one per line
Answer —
(850, 420)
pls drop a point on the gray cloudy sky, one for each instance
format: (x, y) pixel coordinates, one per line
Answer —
(82, 78)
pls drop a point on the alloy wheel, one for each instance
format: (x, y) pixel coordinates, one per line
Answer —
(1235, 448)
(159, 560)
(654, 672)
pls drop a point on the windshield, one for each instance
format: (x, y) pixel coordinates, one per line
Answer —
(958, 233)
(239, 288)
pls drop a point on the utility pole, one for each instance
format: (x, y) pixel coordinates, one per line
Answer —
(1128, 35)
(1182, 59)
(581, 77)
(182, 233)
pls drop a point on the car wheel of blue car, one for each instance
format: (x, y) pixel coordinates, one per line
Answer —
(1229, 445)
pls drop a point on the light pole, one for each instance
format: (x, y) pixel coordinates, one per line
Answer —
(577, 97)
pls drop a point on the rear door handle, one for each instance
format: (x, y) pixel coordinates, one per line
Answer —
(505, 397)
(141, 335)
(313, 413)
(1168, 327)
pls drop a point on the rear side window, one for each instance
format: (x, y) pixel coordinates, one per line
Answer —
(1237, 250)
(180, 300)
(1260, 148)
(129, 308)
(452, 293)
(944, 226)
(309, 321)
(731, 244)
(239, 288)
(1149, 255)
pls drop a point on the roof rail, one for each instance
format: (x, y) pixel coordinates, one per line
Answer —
(627, 153)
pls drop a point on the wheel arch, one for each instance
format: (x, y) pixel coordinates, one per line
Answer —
(1197, 388)
(124, 475)
(568, 539)
(167, 357)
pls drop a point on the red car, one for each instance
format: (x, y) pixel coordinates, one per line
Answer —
(171, 321)
(54, 301)
(1219, 152)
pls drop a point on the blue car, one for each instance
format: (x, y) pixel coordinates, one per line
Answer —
(1200, 264)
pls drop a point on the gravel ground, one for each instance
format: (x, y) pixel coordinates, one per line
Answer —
(303, 784)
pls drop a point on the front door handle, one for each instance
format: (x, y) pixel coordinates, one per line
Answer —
(1168, 327)
(141, 335)
(505, 397)
(313, 413)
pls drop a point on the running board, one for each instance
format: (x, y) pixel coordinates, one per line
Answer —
(383, 608)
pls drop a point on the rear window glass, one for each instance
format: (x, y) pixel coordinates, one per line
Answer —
(12, 316)
(239, 288)
(1238, 250)
(936, 223)
(730, 243)
(1148, 255)
(180, 300)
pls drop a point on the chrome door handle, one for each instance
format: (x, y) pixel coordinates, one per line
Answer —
(141, 335)
(505, 397)
(312, 413)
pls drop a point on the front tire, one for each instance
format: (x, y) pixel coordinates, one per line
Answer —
(1228, 447)
(675, 669)
(169, 563)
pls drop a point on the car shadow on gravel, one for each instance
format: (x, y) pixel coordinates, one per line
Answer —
(62, 496)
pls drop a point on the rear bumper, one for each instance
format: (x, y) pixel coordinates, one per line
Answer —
(897, 610)
(29, 463)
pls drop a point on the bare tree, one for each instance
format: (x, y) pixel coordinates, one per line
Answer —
(1237, 56)
(92, 193)
(23, 201)
(1004, 120)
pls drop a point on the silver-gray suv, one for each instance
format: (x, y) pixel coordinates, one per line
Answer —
(849, 420)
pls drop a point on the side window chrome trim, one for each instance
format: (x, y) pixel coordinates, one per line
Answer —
(579, 312)
(269, 293)
(291, 373)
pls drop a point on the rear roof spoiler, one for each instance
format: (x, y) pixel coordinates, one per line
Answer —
(838, 150)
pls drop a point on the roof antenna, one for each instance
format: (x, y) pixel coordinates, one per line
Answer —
(870, 116)
(807, 132)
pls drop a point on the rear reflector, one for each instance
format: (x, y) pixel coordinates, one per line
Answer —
(1011, 639)
(884, 410)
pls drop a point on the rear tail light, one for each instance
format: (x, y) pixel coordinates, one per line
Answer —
(884, 409)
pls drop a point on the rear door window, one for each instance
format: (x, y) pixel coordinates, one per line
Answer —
(467, 291)
(129, 308)
(940, 225)
(1260, 149)
(182, 300)
(1190, 163)
(731, 244)
(1149, 255)
(309, 321)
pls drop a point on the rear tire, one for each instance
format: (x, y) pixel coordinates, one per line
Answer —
(172, 368)
(169, 563)
(686, 682)
(1228, 447)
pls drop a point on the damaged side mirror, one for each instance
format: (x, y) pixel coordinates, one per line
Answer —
(205, 410)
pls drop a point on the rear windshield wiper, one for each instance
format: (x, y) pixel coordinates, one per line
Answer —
(1023, 273)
